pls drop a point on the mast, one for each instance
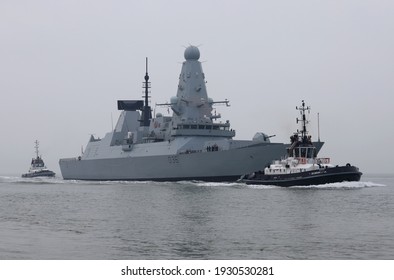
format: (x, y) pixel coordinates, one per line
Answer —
(302, 110)
(318, 127)
(36, 146)
(146, 112)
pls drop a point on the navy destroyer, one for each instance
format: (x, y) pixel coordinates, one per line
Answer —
(37, 167)
(189, 145)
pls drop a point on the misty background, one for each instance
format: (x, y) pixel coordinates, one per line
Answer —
(64, 64)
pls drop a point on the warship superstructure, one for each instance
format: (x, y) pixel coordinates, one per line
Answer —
(189, 145)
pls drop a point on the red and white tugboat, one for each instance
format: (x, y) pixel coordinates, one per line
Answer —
(301, 166)
(38, 168)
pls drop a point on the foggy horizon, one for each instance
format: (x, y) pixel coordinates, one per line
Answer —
(65, 64)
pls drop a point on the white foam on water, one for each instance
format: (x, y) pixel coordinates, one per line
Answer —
(341, 185)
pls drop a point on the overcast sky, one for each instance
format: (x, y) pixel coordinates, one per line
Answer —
(64, 64)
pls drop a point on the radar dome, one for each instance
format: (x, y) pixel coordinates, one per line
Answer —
(192, 53)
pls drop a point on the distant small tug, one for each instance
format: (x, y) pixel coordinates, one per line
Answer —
(301, 166)
(38, 168)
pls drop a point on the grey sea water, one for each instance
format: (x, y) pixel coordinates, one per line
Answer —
(56, 219)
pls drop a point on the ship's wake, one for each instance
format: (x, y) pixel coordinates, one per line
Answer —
(341, 185)
(202, 184)
(31, 181)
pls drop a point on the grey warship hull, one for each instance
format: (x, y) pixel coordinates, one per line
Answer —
(207, 166)
(216, 166)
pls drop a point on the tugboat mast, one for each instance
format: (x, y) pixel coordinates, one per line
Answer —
(36, 146)
(302, 110)
(146, 113)
(318, 127)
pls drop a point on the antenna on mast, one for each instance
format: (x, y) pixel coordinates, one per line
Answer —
(318, 127)
(147, 112)
(36, 146)
(302, 110)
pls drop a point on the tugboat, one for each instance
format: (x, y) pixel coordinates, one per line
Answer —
(301, 166)
(38, 168)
